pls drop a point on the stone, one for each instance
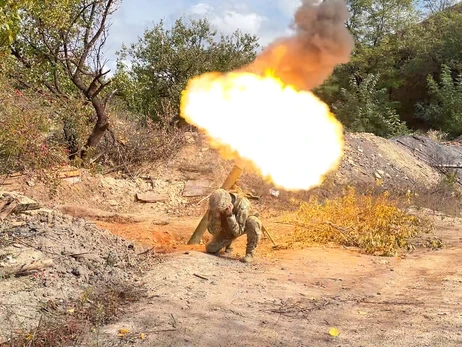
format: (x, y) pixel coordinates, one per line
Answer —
(16, 203)
(197, 188)
(72, 180)
(189, 136)
(150, 197)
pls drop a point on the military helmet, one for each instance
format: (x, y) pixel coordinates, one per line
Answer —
(219, 200)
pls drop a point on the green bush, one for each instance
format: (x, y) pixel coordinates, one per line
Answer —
(364, 108)
(444, 111)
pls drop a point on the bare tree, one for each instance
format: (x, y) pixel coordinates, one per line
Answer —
(69, 48)
(434, 6)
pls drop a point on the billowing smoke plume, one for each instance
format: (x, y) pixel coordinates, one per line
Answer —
(321, 42)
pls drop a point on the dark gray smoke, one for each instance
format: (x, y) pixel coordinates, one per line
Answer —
(321, 42)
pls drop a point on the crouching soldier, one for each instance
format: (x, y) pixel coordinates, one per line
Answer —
(229, 218)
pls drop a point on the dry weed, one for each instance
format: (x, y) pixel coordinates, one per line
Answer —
(68, 324)
(131, 143)
(437, 135)
(373, 223)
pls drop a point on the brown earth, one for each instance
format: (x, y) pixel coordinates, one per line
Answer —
(293, 298)
(288, 297)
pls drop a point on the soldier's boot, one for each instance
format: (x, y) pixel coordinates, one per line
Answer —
(229, 249)
(249, 257)
(253, 231)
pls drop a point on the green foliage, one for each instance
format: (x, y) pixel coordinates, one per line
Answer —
(364, 108)
(436, 41)
(163, 60)
(444, 111)
(371, 21)
(10, 20)
(393, 43)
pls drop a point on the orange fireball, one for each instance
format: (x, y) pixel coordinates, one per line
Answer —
(289, 136)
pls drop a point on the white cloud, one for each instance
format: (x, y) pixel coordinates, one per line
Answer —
(267, 20)
(201, 9)
(288, 7)
(228, 20)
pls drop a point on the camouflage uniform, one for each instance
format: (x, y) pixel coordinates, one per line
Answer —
(225, 229)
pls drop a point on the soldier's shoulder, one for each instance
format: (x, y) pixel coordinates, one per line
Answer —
(243, 203)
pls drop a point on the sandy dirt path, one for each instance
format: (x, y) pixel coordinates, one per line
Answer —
(293, 298)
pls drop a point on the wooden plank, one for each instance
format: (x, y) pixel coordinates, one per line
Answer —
(27, 268)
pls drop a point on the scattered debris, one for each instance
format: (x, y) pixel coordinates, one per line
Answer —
(274, 192)
(334, 332)
(200, 276)
(25, 269)
(69, 173)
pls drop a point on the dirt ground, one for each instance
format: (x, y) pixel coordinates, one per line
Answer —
(288, 297)
(293, 298)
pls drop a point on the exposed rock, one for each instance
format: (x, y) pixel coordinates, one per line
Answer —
(197, 188)
(151, 197)
(113, 202)
(13, 202)
(437, 155)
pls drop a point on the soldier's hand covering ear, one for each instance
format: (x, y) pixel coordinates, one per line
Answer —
(229, 210)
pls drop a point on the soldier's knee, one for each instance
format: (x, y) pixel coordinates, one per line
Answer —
(253, 225)
(253, 222)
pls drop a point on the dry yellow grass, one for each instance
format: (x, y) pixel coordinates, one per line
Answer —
(372, 223)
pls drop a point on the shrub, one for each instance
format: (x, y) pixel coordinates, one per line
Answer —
(67, 324)
(372, 223)
(444, 111)
(364, 108)
(132, 142)
(26, 126)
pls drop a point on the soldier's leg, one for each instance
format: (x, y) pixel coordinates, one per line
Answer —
(218, 242)
(253, 228)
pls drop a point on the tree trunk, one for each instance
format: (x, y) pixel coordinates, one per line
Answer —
(102, 124)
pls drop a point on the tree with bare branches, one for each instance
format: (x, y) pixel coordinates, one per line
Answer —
(435, 6)
(61, 46)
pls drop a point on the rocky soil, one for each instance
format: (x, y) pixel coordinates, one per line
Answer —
(84, 229)
(46, 256)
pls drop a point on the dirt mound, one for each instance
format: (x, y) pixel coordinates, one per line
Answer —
(184, 181)
(48, 256)
(445, 157)
(369, 159)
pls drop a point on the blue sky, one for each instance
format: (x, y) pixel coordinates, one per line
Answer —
(268, 19)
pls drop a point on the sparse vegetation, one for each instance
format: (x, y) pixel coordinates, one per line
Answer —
(372, 223)
(132, 143)
(28, 136)
(70, 323)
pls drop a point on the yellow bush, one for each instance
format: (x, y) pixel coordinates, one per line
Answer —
(372, 223)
